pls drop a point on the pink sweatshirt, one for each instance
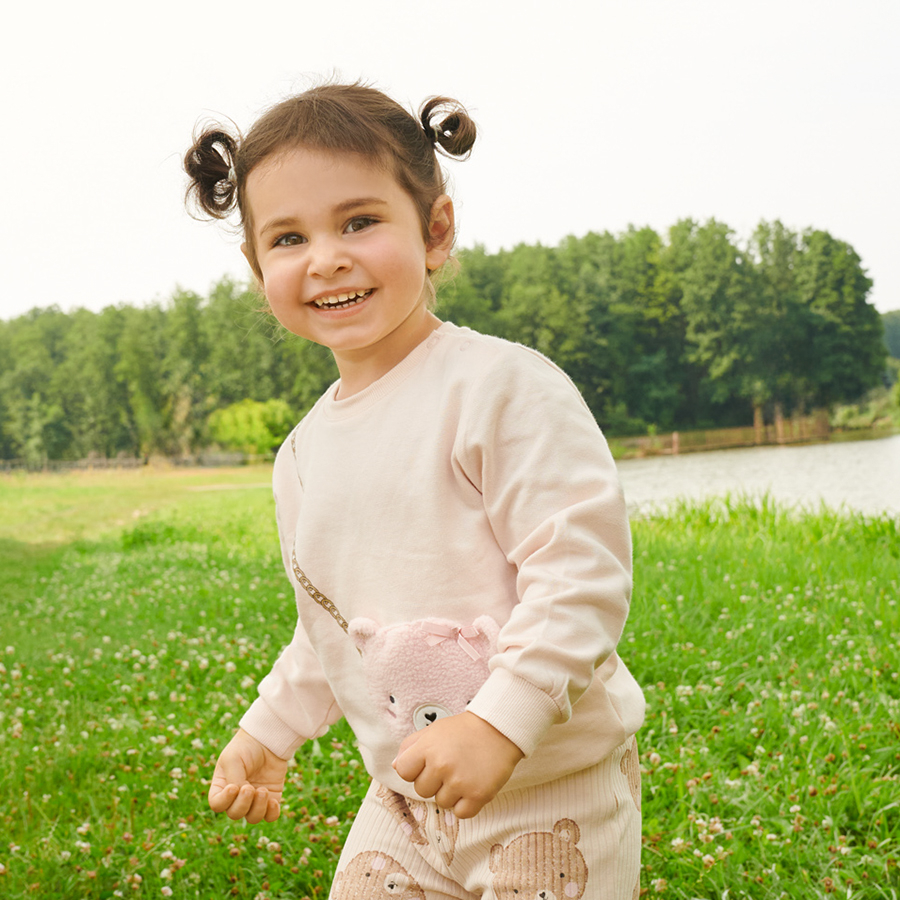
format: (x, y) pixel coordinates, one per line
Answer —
(470, 480)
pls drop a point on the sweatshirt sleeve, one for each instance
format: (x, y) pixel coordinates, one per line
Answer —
(531, 446)
(295, 700)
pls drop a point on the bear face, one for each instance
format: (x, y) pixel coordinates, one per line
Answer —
(540, 865)
(375, 876)
(419, 672)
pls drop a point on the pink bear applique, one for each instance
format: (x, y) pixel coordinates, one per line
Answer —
(419, 672)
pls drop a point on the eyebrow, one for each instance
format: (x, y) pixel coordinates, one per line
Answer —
(341, 208)
(349, 205)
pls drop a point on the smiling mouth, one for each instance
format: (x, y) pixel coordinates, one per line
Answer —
(342, 301)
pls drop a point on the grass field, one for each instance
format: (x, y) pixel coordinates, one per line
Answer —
(139, 609)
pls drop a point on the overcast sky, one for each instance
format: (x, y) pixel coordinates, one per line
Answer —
(592, 115)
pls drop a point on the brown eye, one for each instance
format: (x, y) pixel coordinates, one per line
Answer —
(358, 223)
(289, 240)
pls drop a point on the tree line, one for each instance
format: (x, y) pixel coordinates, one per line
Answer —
(691, 329)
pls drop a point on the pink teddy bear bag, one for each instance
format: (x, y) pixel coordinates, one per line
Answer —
(419, 672)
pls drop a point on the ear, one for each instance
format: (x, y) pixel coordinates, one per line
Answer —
(567, 830)
(361, 630)
(441, 231)
(489, 627)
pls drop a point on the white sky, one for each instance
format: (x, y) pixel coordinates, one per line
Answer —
(592, 114)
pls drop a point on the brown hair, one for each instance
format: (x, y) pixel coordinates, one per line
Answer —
(341, 118)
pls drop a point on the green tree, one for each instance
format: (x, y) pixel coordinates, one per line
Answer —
(535, 311)
(720, 315)
(891, 322)
(473, 295)
(586, 270)
(187, 396)
(88, 387)
(242, 339)
(139, 368)
(652, 338)
(252, 427)
(846, 336)
(35, 426)
(781, 363)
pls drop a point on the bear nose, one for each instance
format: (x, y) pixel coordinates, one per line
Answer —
(428, 713)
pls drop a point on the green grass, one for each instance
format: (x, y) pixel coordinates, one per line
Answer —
(130, 646)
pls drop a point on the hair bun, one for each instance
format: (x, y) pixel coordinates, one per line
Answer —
(210, 167)
(448, 126)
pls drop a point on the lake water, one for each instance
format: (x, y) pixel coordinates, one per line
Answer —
(857, 475)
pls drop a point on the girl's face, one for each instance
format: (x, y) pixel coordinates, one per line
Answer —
(342, 255)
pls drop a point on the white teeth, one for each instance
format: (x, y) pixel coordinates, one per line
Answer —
(338, 300)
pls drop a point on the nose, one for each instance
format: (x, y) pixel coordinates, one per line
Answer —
(428, 713)
(326, 257)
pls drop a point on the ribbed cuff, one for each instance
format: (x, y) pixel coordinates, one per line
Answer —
(260, 722)
(516, 708)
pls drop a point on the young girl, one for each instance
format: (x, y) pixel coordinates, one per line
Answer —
(451, 521)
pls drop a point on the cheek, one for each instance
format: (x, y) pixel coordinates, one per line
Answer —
(280, 285)
(401, 263)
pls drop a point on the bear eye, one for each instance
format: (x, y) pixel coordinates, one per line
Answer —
(391, 698)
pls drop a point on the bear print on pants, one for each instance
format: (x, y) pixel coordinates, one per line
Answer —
(540, 865)
(413, 817)
(375, 876)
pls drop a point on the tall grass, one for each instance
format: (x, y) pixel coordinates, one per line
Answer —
(767, 642)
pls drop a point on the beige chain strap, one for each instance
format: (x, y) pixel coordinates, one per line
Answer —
(316, 594)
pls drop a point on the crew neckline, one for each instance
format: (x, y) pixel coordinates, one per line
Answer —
(340, 409)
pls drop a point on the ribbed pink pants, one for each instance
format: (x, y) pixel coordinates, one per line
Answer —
(577, 837)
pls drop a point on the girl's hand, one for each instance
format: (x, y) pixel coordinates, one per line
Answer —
(248, 781)
(461, 761)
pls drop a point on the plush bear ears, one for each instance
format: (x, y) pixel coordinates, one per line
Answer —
(362, 630)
